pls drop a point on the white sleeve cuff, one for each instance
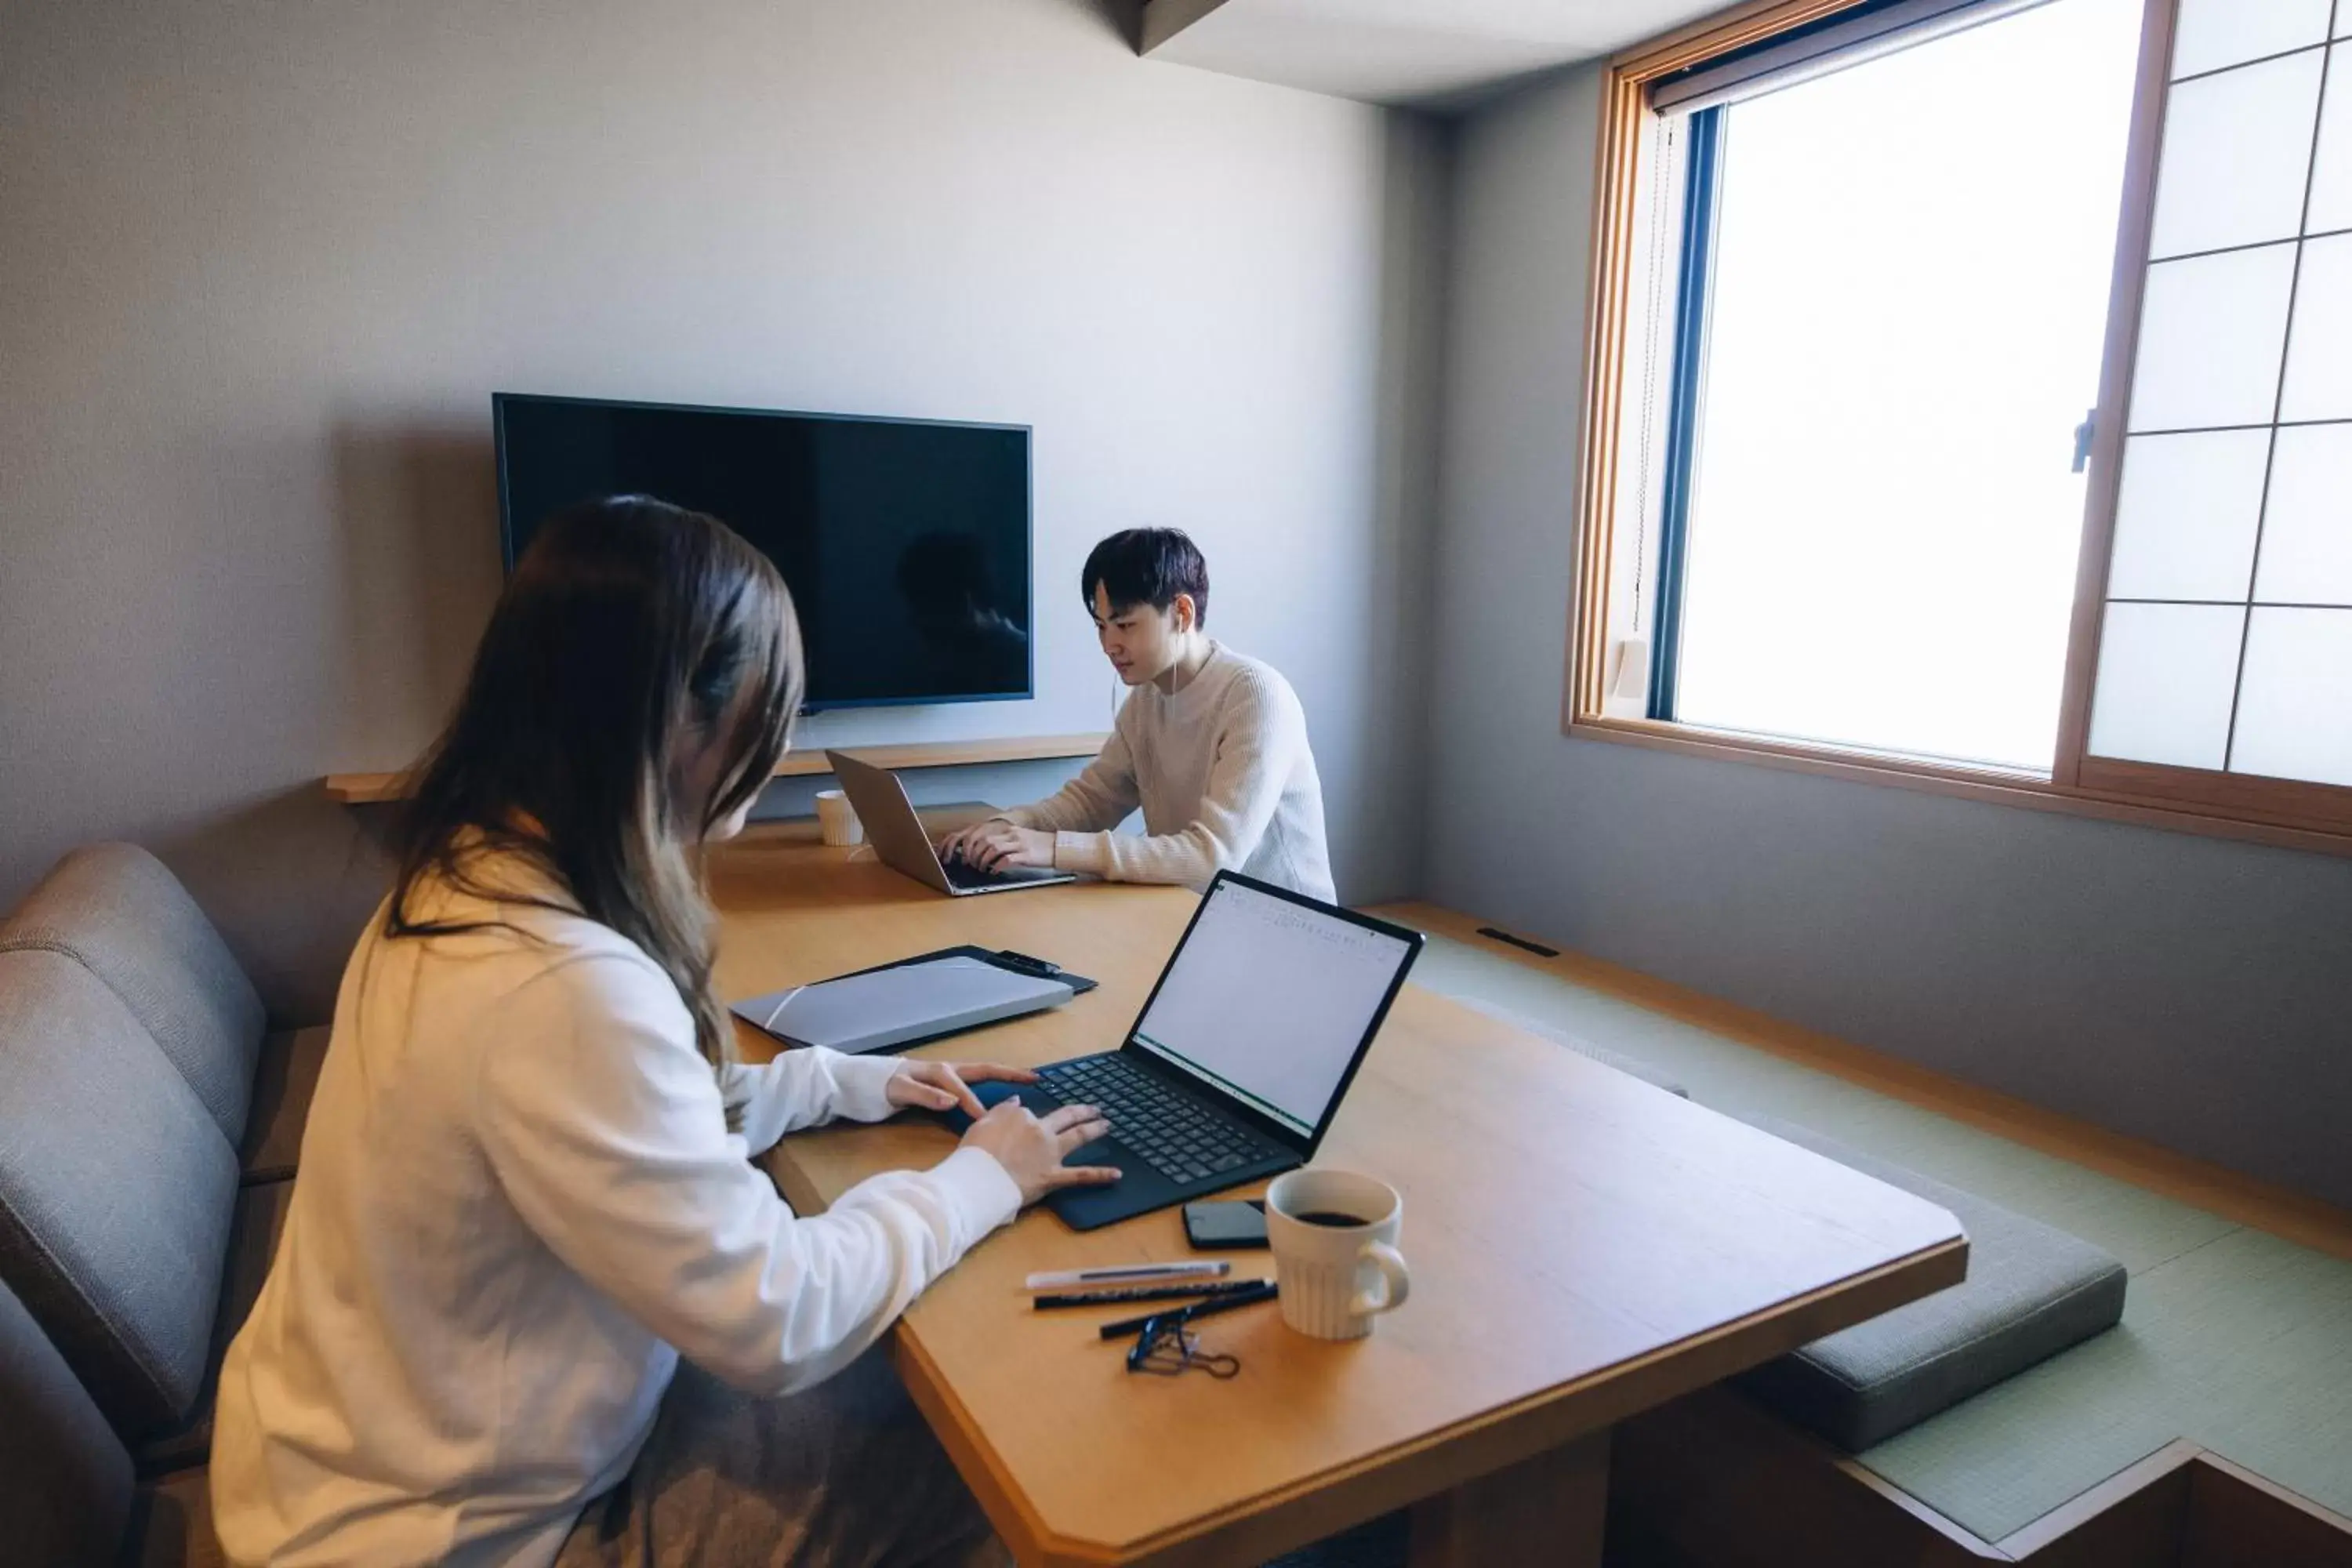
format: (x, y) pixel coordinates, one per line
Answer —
(860, 1085)
(983, 1195)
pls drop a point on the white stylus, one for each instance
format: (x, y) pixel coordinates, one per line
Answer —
(1130, 1274)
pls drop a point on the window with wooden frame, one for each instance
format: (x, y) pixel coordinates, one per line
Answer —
(1859, 267)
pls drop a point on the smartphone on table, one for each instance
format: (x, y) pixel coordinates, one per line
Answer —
(1217, 1225)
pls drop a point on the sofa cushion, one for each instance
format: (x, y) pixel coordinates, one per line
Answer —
(118, 912)
(2031, 1291)
(1658, 1076)
(261, 1212)
(171, 1525)
(64, 1481)
(290, 1060)
(116, 1189)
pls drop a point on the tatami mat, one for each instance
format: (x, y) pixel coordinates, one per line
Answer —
(2230, 1338)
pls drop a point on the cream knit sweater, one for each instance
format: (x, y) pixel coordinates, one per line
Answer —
(1223, 774)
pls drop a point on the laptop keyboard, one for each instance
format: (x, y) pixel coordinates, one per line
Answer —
(962, 874)
(1178, 1136)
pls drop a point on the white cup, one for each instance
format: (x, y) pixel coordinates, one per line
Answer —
(837, 820)
(1336, 1279)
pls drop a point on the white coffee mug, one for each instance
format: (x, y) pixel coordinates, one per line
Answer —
(1334, 1236)
(837, 820)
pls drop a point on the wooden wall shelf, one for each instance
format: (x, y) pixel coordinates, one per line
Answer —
(367, 789)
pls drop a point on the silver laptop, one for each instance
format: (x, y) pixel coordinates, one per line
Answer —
(898, 836)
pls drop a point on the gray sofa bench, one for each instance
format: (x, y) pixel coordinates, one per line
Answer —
(151, 1123)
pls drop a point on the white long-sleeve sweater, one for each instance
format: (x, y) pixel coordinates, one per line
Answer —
(1225, 776)
(519, 1204)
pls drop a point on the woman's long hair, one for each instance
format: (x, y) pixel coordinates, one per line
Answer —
(632, 635)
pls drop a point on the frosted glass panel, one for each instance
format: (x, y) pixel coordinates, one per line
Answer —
(2295, 715)
(2331, 172)
(1883, 465)
(2319, 352)
(2210, 334)
(2307, 521)
(2166, 673)
(2215, 33)
(2237, 147)
(2185, 520)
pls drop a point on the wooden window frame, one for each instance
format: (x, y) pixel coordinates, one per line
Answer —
(2286, 812)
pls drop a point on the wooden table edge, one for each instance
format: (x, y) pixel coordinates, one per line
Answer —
(1452, 1455)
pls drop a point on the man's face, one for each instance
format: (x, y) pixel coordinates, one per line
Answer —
(1140, 640)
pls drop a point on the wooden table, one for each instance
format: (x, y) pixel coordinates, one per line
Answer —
(1583, 1245)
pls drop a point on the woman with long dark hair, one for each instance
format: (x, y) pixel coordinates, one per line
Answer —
(525, 1191)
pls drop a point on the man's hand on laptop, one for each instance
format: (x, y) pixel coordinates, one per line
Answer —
(964, 843)
(998, 846)
(1032, 1148)
(947, 1086)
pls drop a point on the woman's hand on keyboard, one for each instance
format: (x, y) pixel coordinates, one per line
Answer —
(946, 1086)
(1032, 1148)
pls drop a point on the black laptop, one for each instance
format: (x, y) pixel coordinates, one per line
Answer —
(1241, 1057)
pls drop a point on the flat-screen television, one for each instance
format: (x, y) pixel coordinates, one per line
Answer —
(905, 542)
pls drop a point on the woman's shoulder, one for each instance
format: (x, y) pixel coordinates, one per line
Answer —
(559, 993)
(505, 926)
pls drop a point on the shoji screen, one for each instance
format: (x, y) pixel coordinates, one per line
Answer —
(2226, 638)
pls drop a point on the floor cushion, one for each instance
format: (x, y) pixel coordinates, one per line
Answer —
(2031, 1291)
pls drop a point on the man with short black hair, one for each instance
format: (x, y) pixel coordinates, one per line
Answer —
(1210, 743)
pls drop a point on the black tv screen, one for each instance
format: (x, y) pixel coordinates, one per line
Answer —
(905, 542)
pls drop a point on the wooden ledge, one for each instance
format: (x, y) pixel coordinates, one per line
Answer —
(368, 789)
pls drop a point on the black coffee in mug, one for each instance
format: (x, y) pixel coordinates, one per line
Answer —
(1332, 1218)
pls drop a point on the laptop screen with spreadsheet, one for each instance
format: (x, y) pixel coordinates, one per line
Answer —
(1270, 999)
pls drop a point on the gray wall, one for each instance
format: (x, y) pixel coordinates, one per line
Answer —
(2187, 990)
(264, 264)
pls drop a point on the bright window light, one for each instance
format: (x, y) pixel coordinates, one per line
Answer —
(1905, 314)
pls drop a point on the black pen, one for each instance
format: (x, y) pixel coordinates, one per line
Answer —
(1125, 1326)
(1199, 1290)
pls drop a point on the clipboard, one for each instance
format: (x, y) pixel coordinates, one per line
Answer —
(1012, 962)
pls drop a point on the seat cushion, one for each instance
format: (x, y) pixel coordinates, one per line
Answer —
(64, 1481)
(261, 1212)
(290, 1059)
(1582, 1047)
(119, 912)
(116, 1189)
(2031, 1291)
(171, 1525)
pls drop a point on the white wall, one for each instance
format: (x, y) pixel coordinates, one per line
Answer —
(2187, 990)
(264, 264)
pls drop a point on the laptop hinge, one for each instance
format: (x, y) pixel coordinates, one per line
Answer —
(1249, 1116)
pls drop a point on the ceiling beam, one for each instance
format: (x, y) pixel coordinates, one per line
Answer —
(1163, 19)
